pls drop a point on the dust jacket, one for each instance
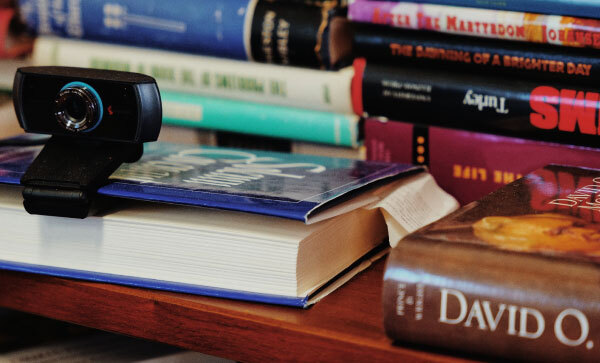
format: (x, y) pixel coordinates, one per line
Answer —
(277, 184)
(514, 275)
(289, 186)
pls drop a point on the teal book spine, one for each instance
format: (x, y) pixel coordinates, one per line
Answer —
(260, 119)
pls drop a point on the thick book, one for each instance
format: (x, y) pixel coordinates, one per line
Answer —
(222, 114)
(497, 24)
(217, 77)
(252, 225)
(467, 164)
(382, 44)
(260, 30)
(552, 111)
(513, 275)
(583, 8)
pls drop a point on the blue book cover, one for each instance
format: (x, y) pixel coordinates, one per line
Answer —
(210, 27)
(293, 186)
(276, 184)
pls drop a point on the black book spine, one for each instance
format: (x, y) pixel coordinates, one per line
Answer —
(291, 33)
(383, 44)
(550, 111)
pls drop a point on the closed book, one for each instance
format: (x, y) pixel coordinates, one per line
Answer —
(261, 30)
(217, 77)
(468, 164)
(513, 275)
(252, 225)
(496, 24)
(546, 110)
(221, 114)
(583, 8)
(382, 44)
(211, 27)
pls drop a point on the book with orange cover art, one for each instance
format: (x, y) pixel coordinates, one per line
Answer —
(513, 275)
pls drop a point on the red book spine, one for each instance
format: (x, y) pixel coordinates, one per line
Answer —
(466, 164)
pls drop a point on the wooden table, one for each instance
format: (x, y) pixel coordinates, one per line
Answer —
(345, 326)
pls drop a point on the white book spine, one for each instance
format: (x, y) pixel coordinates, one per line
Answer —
(247, 81)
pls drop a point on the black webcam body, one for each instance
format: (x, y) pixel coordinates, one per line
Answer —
(88, 103)
(98, 120)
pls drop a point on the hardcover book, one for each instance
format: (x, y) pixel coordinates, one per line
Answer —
(513, 275)
(474, 21)
(467, 164)
(217, 77)
(563, 112)
(211, 27)
(584, 8)
(266, 31)
(382, 44)
(250, 225)
(221, 114)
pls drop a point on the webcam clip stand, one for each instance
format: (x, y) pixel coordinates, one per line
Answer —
(65, 176)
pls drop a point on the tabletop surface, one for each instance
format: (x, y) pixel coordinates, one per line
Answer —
(346, 325)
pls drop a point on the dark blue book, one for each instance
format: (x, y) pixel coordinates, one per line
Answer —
(253, 225)
(278, 32)
(210, 27)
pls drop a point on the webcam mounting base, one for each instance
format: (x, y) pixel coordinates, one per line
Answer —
(65, 176)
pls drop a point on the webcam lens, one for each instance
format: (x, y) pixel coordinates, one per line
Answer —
(78, 107)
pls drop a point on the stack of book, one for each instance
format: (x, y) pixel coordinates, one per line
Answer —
(483, 92)
(209, 61)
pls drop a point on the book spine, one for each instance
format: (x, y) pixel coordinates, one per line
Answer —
(468, 165)
(479, 300)
(401, 46)
(497, 24)
(260, 119)
(253, 82)
(583, 8)
(549, 111)
(290, 33)
(210, 27)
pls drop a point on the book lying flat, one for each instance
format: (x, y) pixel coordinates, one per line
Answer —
(252, 225)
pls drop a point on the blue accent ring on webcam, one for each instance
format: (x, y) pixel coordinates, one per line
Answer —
(96, 96)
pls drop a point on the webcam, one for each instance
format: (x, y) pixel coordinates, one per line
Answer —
(98, 120)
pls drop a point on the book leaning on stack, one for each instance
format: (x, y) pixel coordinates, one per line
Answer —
(513, 275)
(209, 62)
(462, 76)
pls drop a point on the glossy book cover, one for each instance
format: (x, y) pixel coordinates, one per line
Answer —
(514, 275)
(284, 185)
(552, 211)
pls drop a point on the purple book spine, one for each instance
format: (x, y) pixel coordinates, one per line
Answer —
(362, 11)
(466, 164)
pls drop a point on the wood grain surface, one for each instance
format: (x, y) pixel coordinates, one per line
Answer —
(344, 326)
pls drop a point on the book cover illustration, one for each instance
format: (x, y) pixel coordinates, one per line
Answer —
(514, 275)
(552, 211)
(284, 185)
